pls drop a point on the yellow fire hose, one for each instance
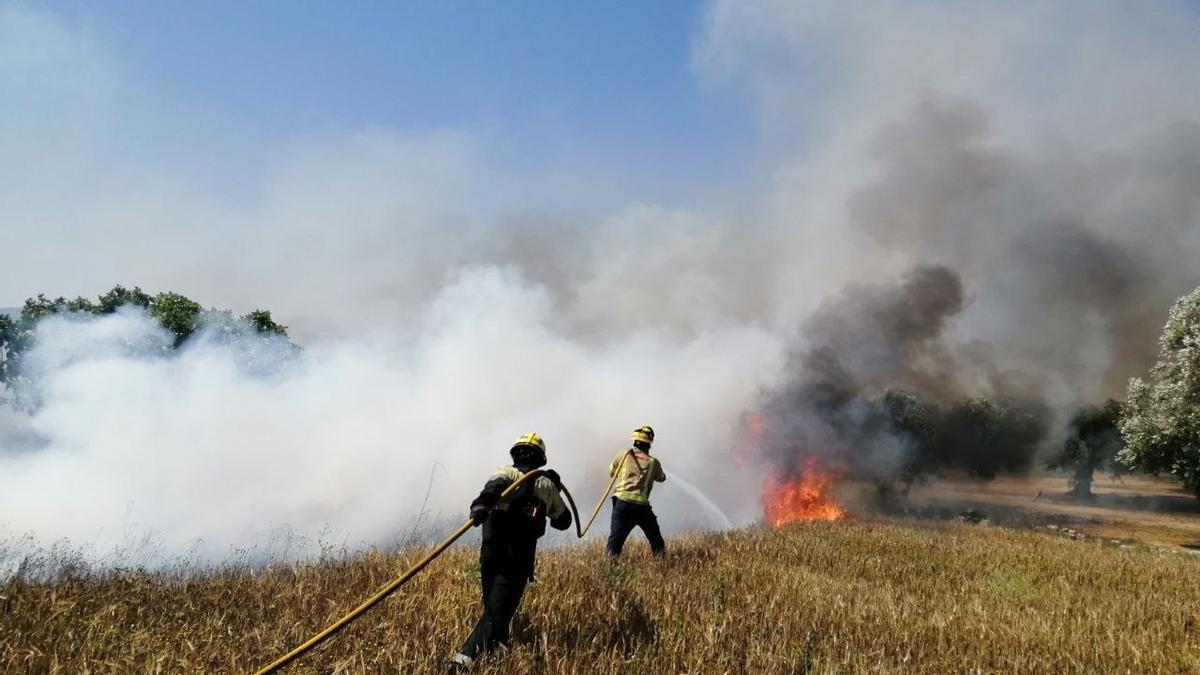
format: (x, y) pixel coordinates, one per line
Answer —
(600, 504)
(424, 562)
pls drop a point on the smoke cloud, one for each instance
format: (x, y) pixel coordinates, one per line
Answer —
(991, 200)
(877, 394)
(202, 454)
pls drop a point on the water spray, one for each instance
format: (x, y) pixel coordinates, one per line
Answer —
(694, 492)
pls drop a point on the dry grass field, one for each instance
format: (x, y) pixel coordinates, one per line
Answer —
(852, 596)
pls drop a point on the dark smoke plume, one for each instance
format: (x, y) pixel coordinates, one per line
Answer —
(875, 395)
(1069, 259)
(1071, 255)
(891, 336)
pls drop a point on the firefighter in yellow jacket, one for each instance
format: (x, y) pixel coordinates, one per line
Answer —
(636, 473)
(511, 527)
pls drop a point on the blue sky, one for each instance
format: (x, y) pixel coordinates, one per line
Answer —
(411, 133)
(546, 82)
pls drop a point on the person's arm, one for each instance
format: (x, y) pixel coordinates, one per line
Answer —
(659, 474)
(488, 497)
(562, 521)
(547, 492)
(614, 465)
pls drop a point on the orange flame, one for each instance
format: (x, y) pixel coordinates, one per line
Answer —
(805, 497)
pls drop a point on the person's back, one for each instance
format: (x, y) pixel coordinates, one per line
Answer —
(635, 472)
(515, 523)
(512, 525)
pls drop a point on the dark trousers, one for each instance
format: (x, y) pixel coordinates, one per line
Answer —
(625, 517)
(503, 587)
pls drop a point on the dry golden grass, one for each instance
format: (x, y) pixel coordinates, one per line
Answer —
(875, 596)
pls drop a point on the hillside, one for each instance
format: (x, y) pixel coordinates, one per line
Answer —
(814, 597)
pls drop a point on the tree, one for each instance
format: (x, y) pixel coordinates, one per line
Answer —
(1093, 442)
(17, 335)
(119, 296)
(8, 334)
(262, 322)
(36, 308)
(81, 305)
(986, 437)
(916, 421)
(176, 313)
(1161, 423)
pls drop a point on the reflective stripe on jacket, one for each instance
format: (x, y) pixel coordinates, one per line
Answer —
(637, 476)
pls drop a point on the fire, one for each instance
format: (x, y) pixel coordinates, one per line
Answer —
(803, 494)
(807, 496)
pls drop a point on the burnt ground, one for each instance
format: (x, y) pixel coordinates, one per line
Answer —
(1145, 509)
(1141, 509)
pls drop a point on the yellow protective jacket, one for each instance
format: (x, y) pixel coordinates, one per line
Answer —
(516, 522)
(543, 489)
(637, 475)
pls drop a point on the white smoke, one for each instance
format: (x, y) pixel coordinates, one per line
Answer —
(445, 307)
(204, 455)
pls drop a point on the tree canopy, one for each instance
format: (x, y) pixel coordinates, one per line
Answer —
(980, 436)
(175, 312)
(1093, 442)
(1161, 424)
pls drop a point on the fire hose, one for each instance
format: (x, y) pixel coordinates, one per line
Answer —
(421, 564)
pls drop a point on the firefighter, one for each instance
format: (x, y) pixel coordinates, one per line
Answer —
(636, 472)
(511, 528)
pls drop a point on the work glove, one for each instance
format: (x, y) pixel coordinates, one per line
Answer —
(479, 514)
(563, 521)
(554, 477)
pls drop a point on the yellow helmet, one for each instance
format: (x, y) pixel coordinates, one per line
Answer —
(532, 440)
(643, 434)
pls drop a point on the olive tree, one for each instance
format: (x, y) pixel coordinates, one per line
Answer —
(1093, 442)
(1161, 423)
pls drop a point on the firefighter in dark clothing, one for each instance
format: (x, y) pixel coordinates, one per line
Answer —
(511, 528)
(636, 472)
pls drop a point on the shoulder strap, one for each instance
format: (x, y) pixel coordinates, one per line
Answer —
(647, 473)
(633, 456)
